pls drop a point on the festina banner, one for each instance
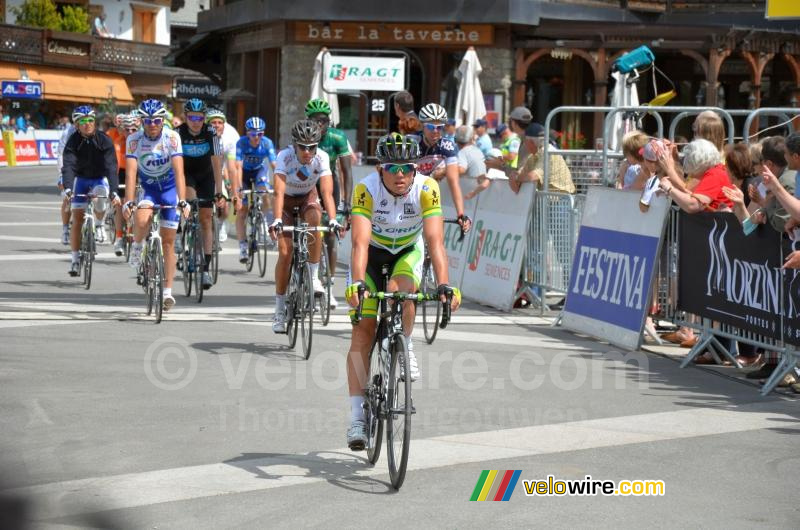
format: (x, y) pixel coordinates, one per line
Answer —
(345, 73)
(613, 265)
(737, 279)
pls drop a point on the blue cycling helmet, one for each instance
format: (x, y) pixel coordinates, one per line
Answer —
(255, 124)
(152, 108)
(195, 105)
(82, 111)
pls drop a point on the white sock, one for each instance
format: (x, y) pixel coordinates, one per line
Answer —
(76, 256)
(66, 227)
(314, 269)
(280, 302)
(410, 344)
(167, 291)
(137, 246)
(243, 244)
(357, 408)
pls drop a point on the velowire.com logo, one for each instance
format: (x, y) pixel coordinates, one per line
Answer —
(494, 485)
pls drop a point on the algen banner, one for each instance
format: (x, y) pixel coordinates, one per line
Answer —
(345, 73)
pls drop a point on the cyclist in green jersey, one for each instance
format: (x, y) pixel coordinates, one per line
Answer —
(333, 142)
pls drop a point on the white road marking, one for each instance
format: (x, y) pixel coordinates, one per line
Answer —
(34, 206)
(31, 224)
(24, 323)
(73, 497)
(54, 240)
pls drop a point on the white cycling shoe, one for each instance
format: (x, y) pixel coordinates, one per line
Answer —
(357, 435)
(279, 322)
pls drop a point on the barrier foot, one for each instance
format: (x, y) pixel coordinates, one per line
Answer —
(716, 348)
(650, 329)
(788, 362)
(557, 321)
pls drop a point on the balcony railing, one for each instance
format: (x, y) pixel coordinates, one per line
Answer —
(38, 46)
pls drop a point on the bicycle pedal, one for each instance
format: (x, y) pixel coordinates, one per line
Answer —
(139, 279)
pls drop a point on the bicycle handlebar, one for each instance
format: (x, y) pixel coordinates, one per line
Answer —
(363, 294)
(455, 222)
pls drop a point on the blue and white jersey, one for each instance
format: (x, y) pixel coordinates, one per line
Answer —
(154, 157)
(252, 158)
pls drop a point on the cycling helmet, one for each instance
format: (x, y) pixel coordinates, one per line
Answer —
(214, 113)
(255, 124)
(396, 147)
(128, 120)
(195, 105)
(317, 106)
(152, 108)
(432, 112)
(306, 132)
(82, 111)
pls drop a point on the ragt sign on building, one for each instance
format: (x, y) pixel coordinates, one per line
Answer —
(344, 73)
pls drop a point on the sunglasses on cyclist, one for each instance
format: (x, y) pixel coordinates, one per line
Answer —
(195, 117)
(307, 147)
(85, 121)
(255, 134)
(395, 169)
(432, 127)
(153, 121)
(132, 130)
(322, 119)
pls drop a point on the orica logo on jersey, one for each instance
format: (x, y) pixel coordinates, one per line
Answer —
(398, 230)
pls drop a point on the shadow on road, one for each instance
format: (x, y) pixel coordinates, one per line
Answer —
(339, 469)
(265, 349)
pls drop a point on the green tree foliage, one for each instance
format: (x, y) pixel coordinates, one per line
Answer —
(43, 14)
(75, 19)
(38, 13)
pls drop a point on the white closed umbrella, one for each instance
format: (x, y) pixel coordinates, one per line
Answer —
(469, 101)
(624, 95)
(316, 87)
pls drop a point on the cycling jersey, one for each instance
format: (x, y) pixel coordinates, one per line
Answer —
(230, 137)
(301, 178)
(396, 221)
(90, 158)
(154, 157)
(119, 146)
(335, 144)
(253, 157)
(432, 156)
(198, 150)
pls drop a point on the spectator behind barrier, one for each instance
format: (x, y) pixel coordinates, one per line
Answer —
(773, 153)
(560, 178)
(404, 110)
(786, 199)
(701, 161)
(709, 126)
(470, 162)
(631, 175)
(483, 140)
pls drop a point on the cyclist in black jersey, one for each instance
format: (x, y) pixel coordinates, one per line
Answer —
(202, 157)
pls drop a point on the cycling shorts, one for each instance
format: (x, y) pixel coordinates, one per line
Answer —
(306, 202)
(407, 262)
(88, 186)
(170, 217)
(203, 186)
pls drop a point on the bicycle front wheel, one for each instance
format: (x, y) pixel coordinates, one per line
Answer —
(261, 244)
(88, 244)
(398, 412)
(325, 278)
(375, 397)
(432, 309)
(306, 304)
(147, 276)
(215, 250)
(186, 269)
(198, 261)
(157, 279)
(251, 229)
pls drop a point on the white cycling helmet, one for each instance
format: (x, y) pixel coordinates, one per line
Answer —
(432, 112)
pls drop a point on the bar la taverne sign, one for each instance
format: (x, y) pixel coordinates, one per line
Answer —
(390, 33)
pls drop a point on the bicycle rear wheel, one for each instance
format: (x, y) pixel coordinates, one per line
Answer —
(128, 244)
(375, 396)
(186, 269)
(198, 261)
(306, 303)
(398, 409)
(431, 310)
(215, 249)
(261, 244)
(147, 275)
(157, 280)
(325, 278)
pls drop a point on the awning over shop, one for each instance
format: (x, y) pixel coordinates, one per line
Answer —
(159, 86)
(72, 85)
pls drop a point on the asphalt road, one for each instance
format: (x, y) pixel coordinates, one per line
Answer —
(208, 420)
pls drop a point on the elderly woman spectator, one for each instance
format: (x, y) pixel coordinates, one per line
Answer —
(470, 163)
(701, 161)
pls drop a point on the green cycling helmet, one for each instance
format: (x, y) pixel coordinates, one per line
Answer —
(317, 106)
